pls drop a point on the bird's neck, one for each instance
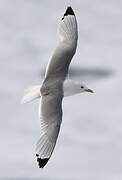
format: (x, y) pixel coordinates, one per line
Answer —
(70, 88)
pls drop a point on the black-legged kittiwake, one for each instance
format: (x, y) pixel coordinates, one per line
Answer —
(55, 86)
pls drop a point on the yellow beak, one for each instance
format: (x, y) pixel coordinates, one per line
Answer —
(89, 90)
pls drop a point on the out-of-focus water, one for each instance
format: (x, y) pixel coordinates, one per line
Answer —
(90, 142)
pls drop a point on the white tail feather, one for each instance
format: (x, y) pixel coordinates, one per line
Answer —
(31, 93)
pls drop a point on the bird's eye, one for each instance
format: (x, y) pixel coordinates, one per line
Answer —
(82, 87)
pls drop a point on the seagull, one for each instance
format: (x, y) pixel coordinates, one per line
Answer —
(55, 86)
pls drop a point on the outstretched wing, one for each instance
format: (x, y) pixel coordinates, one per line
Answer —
(51, 117)
(62, 56)
(52, 88)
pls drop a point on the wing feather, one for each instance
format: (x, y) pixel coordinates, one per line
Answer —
(51, 117)
(59, 62)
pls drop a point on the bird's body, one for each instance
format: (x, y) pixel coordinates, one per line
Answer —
(55, 86)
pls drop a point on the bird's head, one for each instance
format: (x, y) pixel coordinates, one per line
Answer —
(72, 87)
(84, 88)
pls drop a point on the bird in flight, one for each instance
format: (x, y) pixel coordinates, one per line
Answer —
(55, 86)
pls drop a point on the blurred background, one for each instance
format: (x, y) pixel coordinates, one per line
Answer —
(89, 146)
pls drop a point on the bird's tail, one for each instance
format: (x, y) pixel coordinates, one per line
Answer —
(31, 93)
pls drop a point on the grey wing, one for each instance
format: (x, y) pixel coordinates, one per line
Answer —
(52, 91)
(51, 117)
(62, 56)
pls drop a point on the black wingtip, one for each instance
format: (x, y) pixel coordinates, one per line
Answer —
(41, 162)
(69, 11)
